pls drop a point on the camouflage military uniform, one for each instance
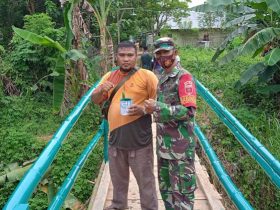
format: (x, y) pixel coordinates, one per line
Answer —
(175, 139)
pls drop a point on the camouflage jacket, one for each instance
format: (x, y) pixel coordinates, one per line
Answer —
(174, 115)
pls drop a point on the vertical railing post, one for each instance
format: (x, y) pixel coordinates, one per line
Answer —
(106, 141)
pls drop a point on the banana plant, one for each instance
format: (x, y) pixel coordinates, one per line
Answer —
(62, 61)
(14, 172)
(257, 21)
(101, 14)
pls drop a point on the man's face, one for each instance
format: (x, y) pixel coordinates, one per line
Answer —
(166, 58)
(126, 58)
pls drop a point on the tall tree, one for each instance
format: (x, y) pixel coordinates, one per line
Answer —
(156, 13)
(210, 19)
(151, 15)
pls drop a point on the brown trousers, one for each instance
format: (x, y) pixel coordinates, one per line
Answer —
(141, 162)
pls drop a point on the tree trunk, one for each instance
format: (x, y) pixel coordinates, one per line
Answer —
(111, 57)
(103, 49)
(81, 72)
(31, 6)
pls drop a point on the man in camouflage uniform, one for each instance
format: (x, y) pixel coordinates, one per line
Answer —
(174, 113)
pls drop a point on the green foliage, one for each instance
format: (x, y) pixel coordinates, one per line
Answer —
(23, 122)
(32, 62)
(260, 26)
(209, 19)
(53, 9)
(273, 57)
(80, 136)
(37, 39)
(60, 90)
(257, 112)
(236, 42)
(33, 125)
(2, 51)
(252, 71)
(19, 141)
(12, 13)
(39, 201)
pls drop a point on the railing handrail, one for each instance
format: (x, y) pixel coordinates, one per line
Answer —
(231, 189)
(24, 190)
(263, 157)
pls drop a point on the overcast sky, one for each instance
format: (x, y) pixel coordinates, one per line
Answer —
(196, 2)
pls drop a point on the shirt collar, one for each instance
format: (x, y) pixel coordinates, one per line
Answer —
(171, 74)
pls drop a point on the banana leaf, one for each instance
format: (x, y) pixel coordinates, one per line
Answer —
(258, 40)
(58, 84)
(229, 57)
(258, 51)
(71, 202)
(51, 191)
(75, 55)
(14, 175)
(267, 75)
(230, 37)
(273, 57)
(12, 166)
(272, 89)
(239, 20)
(274, 5)
(67, 14)
(251, 72)
(240, 9)
(37, 39)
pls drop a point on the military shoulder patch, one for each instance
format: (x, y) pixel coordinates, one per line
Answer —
(187, 91)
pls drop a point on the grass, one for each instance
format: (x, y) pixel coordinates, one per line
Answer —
(258, 113)
(27, 124)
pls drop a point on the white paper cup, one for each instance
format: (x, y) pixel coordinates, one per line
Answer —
(125, 103)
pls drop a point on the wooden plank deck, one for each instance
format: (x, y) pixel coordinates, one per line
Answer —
(206, 196)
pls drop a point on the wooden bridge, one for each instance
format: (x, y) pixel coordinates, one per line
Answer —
(206, 196)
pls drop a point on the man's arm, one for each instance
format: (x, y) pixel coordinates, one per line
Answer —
(164, 112)
(101, 92)
(185, 111)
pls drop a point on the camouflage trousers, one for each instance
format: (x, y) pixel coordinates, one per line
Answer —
(177, 183)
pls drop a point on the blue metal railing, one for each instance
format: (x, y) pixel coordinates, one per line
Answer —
(270, 165)
(231, 189)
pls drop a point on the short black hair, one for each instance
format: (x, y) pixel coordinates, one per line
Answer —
(145, 48)
(126, 44)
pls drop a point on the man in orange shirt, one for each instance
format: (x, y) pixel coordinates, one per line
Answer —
(130, 140)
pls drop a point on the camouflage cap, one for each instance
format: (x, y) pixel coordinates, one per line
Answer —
(164, 43)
